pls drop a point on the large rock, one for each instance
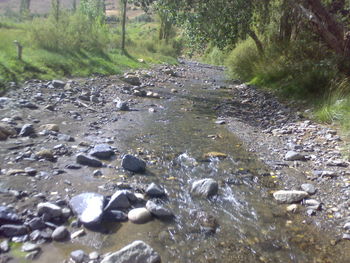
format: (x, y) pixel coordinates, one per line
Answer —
(102, 151)
(133, 164)
(114, 216)
(27, 130)
(139, 215)
(61, 233)
(120, 200)
(136, 252)
(8, 216)
(158, 211)
(13, 230)
(154, 190)
(88, 207)
(205, 187)
(50, 210)
(289, 196)
(89, 161)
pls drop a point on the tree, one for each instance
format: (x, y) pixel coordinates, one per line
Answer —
(124, 6)
(55, 9)
(25, 7)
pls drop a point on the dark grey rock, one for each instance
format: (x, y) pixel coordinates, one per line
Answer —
(154, 190)
(88, 207)
(78, 256)
(294, 156)
(123, 106)
(114, 216)
(136, 252)
(49, 210)
(27, 130)
(60, 233)
(13, 230)
(8, 216)
(36, 224)
(205, 187)
(119, 200)
(89, 161)
(58, 84)
(102, 151)
(159, 211)
(133, 164)
(131, 79)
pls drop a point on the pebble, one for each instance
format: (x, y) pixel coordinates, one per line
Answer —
(139, 215)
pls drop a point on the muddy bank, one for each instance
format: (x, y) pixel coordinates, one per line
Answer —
(72, 137)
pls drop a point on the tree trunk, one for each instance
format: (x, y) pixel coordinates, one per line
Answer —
(74, 6)
(124, 3)
(257, 42)
(325, 25)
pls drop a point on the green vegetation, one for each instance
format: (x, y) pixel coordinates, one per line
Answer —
(79, 43)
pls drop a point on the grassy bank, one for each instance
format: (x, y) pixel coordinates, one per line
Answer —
(300, 72)
(75, 46)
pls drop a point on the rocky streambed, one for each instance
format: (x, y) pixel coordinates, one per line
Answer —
(172, 164)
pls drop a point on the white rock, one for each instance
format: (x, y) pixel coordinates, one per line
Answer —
(289, 196)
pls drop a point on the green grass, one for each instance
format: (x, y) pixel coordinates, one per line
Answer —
(48, 54)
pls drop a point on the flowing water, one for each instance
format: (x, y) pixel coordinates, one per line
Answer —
(250, 226)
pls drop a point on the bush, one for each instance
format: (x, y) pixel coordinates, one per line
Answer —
(241, 61)
(71, 33)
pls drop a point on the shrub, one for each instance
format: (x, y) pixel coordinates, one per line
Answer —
(241, 60)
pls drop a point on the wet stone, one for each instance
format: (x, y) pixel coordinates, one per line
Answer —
(78, 256)
(136, 252)
(27, 130)
(88, 207)
(119, 200)
(8, 216)
(4, 246)
(139, 215)
(115, 216)
(205, 187)
(32, 255)
(13, 230)
(123, 106)
(133, 164)
(49, 209)
(94, 255)
(158, 211)
(154, 190)
(102, 151)
(87, 160)
(65, 138)
(36, 224)
(30, 171)
(347, 226)
(60, 233)
(29, 247)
